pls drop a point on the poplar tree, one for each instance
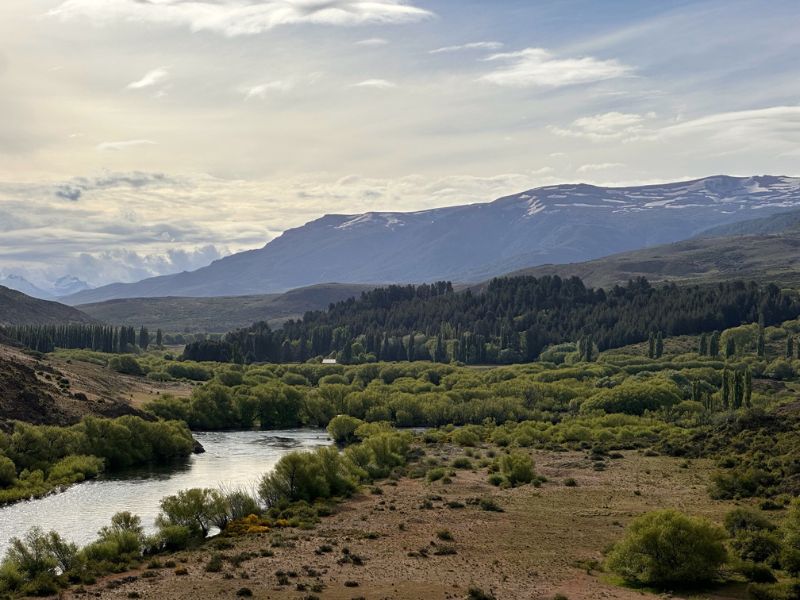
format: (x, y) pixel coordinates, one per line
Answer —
(789, 347)
(659, 345)
(702, 349)
(713, 345)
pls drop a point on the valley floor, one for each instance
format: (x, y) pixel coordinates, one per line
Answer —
(543, 544)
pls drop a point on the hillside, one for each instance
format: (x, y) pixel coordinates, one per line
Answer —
(18, 309)
(755, 257)
(555, 224)
(52, 390)
(218, 315)
(780, 223)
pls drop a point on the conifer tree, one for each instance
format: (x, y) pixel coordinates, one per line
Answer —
(761, 348)
(651, 345)
(713, 345)
(748, 388)
(702, 349)
(726, 389)
(659, 345)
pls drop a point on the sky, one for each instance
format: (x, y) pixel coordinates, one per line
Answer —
(144, 137)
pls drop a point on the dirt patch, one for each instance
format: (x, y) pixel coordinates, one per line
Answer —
(543, 544)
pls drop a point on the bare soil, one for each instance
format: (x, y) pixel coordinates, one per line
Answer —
(547, 541)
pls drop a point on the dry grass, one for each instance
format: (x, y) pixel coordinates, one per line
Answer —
(543, 544)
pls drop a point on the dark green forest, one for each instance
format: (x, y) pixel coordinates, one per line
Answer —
(512, 321)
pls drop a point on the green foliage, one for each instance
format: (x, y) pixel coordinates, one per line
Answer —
(666, 548)
(125, 364)
(633, 398)
(342, 429)
(517, 467)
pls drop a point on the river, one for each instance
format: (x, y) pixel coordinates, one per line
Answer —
(232, 459)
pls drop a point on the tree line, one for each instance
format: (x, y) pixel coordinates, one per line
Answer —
(512, 321)
(100, 338)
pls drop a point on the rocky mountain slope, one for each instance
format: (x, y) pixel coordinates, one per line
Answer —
(555, 224)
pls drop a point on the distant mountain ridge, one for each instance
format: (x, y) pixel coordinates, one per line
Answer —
(553, 224)
(220, 314)
(63, 286)
(17, 308)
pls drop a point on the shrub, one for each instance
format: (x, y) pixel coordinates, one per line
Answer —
(668, 548)
(436, 474)
(465, 437)
(517, 467)
(8, 471)
(342, 429)
(126, 365)
(462, 462)
(196, 509)
(633, 398)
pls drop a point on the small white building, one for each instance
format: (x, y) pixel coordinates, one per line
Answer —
(328, 361)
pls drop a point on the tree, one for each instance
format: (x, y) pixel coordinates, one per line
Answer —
(651, 345)
(713, 345)
(702, 348)
(789, 347)
(726, 389)
(748, 388)
(144, 338)
(342, 429)
(761, 348)
(411, 348)
(159, 338)
(196, 509)
(668, 548)
(659, 345)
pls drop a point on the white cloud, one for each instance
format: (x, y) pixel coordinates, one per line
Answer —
(237, 17)
(745, 125)
(262, 90)
(380, 84)
(150, 79)
(372, 42)
(128, 226)
(606, 126)
(470, 46)
(123, 145)
(537, 67)
(594, 167)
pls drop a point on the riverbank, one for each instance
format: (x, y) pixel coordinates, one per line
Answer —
(430, 540)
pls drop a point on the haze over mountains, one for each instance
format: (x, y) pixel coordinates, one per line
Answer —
(554, 224)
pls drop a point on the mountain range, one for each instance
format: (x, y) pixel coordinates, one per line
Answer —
(17, 308)
(471, 243)
(63, 286)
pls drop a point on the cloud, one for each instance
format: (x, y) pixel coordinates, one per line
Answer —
(237, 17)
(150, 79)
(746, 125)
(380, 84)
(123, 145)
(372, 42)
(69, 192)
(594, 167)
(119, 231)
(470, 46)
(606, 126)
(537, 67)
(262, 90)
(73, 190)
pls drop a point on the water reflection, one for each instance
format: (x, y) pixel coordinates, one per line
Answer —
(232, 459)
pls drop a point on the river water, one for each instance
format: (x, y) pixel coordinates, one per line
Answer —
(232, 459)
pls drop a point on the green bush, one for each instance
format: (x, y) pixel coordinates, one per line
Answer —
(126, 365)
(633, 398)
(342, 429)
(668, 548)
(517, 467)
(8, 471)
